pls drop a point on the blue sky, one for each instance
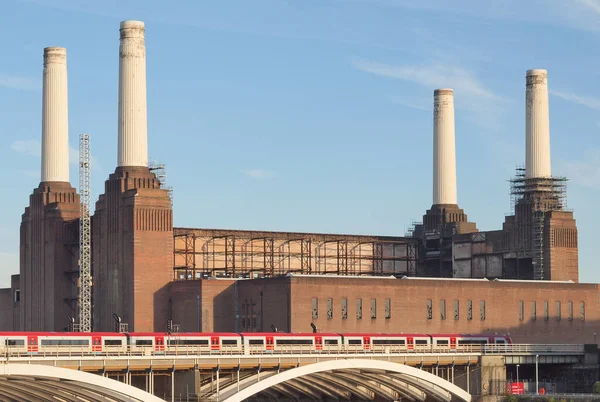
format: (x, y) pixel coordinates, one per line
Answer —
(312, 115)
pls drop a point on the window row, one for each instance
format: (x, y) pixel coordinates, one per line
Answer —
(344, 308)
(456, 309)
(558, 311)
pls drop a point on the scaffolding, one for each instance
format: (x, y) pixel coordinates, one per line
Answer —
(160, 170)
(531, 200)
(85, 259)
(203, 253)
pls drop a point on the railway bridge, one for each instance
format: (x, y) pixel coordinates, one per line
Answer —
(188, 375)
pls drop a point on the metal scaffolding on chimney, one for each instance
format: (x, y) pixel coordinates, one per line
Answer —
(85, 259)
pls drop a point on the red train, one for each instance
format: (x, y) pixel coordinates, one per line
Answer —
(234, 343)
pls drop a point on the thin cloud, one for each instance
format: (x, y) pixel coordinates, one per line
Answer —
(593, 5)
(471, 95)
(27, 147)
(259, 173)
(587, 101)
(20, 83)
(434, 76)
(418, 104)
(584, 171)
(34, 148)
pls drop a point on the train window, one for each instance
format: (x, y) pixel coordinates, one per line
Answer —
(442, 341)
(456, 308)
(373, 308)
(521, 310)
(294, 341)
(331, 341)
(65, 342)
(482, 309)
(229, 342)
(570, 311)
(389, 342)
(256, 342)
(354, 341)
(329, 308)
(546, 311)
(359, 309)
(420, 342)
(15, 342)
(558, 311)
(469, 309)
(113, 342)
(472, 342)
(429, 309)
(533, 310)
(388, 308)
(443, 309)
(500, 341)
(144, 342)
(176, 342)
(344, 308)
(315, 308)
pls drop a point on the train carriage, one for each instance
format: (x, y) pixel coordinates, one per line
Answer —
(261, 342)
(386, 342)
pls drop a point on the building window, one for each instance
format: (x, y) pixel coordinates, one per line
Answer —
(388, 309)
(546, 311)
(344, 308)
(329, 308)
(469, 309)
(443, 309)
(17, 298)
(558, 311)
(315, 309)
(429, 309)
(456, 309)
(582, 311)
(359, 309)
(482, 309)
(533, 311)
(373, 308)
(570, 311)
(521, 310)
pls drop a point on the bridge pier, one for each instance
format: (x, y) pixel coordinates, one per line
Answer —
(493, 375)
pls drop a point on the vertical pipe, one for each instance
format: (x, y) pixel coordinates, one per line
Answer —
(537, 124)
(444, 148)
(133, 131)
(55, 117)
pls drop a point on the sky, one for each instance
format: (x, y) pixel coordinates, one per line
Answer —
(311, 115)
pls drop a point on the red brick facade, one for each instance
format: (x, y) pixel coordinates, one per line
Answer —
(48, 257)
(564, 313)
(132, 248)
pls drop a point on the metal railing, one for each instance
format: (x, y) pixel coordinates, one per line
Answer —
(237, 350)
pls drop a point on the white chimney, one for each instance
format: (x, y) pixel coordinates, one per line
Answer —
(55, 117)
(444, 152)
(133, 131)
(537, 158)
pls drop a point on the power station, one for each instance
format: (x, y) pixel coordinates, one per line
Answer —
(146, 275)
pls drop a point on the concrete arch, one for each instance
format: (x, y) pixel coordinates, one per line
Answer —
(409, 374)
(36, 380)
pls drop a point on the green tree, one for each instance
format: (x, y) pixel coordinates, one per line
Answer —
(597, 387)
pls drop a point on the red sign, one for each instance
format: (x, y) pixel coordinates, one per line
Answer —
(517, 388)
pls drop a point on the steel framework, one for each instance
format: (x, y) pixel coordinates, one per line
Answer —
(531, 200)
(85, 259)
(202, 253)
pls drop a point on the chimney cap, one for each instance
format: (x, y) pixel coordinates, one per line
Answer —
(444, 91)
(55, 49)
(132, 24)
(537, 71)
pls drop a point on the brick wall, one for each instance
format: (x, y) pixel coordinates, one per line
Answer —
(6, 306)
(409, 300)
(48, 257)
(132, 236)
